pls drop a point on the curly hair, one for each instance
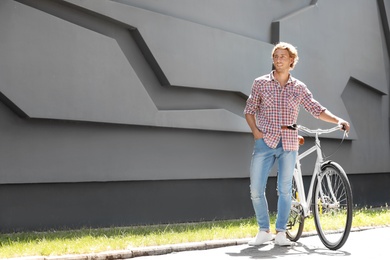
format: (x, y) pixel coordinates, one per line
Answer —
(291, 50)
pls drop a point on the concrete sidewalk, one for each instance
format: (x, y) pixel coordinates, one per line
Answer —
(369, 243)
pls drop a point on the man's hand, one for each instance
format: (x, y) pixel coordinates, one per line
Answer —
(344, 124)
(258, 135)
(250, 119)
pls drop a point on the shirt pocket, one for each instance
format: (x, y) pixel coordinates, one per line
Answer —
(267, 99)
(294, 100)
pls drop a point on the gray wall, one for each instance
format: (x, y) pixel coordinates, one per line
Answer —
(134, 91)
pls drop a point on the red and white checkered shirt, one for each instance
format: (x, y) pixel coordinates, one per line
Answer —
(275, 106)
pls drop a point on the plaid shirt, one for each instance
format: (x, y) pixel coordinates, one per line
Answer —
(275, 106)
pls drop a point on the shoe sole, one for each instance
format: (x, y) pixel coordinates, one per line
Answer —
(257, 244)
(283, 244)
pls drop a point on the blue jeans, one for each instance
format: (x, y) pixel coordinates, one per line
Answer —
(263, 158)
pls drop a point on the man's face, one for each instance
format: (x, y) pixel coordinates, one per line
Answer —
(282, 60)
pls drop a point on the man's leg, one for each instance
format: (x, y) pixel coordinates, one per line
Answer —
(287, 160)
(262, 160)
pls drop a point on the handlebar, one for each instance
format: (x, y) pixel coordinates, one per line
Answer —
(319, 131)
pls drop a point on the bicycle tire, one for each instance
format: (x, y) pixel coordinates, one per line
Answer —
(296, 220)
(332, 205)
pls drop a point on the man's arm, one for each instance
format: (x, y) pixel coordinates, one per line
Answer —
(251, 120)
(327, 116)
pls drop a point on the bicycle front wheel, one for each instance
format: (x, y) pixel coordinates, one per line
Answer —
(332, 206)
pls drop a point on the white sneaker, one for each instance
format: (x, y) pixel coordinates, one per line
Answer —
(281, 239)
(260, 238)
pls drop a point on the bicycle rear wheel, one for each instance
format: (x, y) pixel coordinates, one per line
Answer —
(332, 206)
(296, 219)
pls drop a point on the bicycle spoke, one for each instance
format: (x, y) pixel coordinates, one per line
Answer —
(333, 207)
(296, 220)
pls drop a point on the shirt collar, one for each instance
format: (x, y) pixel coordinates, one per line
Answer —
(290, 81)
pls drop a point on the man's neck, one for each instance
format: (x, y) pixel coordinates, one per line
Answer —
(282, 77)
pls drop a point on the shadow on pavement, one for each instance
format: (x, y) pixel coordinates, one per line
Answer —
(271, 250)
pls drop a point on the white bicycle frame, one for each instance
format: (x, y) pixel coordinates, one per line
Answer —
(305, 203)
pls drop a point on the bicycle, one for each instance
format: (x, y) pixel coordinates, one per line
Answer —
(330, 192)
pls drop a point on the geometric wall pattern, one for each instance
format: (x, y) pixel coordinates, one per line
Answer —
(122, 56)
(180, 66)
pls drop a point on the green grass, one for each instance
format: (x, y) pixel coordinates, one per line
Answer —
(118, 238)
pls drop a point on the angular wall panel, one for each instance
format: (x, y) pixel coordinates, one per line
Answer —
(158, 65)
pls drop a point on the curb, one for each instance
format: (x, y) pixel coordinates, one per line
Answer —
(143, 251)
(167, 249)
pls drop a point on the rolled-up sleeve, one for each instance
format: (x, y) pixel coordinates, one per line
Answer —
(311, 105)
(253, 101)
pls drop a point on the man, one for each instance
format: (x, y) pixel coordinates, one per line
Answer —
(272, 106)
